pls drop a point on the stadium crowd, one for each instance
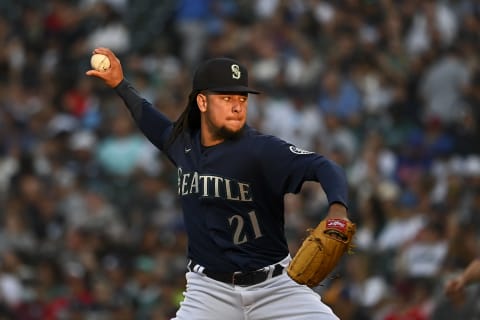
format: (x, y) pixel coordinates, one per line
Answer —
(90, 226)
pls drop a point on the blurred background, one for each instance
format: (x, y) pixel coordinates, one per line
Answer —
(90, 226)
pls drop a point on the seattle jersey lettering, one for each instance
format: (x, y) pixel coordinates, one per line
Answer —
(212, 186)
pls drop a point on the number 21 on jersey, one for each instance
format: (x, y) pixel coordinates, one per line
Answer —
(238, 222)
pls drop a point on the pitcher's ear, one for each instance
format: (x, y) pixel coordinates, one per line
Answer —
(202, 102)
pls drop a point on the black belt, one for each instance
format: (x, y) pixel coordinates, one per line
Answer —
(248, 278)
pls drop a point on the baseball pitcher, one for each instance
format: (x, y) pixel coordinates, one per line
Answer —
(231, 182)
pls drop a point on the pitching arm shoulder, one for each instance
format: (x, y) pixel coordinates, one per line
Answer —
(154, 125)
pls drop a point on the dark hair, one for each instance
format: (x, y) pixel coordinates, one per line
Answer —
(189, 120)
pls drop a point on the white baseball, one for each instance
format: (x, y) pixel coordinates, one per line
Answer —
(100, 62)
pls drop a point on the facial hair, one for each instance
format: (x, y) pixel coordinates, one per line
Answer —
(227, 134)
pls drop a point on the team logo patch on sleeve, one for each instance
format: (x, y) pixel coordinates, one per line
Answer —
(299, 151)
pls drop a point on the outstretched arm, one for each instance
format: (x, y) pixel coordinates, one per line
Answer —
(470, 275)
(154, 125)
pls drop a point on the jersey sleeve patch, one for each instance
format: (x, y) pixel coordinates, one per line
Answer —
(296, 150)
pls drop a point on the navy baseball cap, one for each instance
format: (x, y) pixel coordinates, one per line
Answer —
(222, 75)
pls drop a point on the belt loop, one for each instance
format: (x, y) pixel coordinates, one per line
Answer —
(198, 268)
(233, 276)
(189, 265)
(271, 268)
(193, 267)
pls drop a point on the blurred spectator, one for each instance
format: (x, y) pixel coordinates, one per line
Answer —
(375, 164)
(144, 291)
(371, 220)
(423, 256)
(339, 98)
(366, 293)
(295, 120)
(443, 85)
(124, 151)
(49, 282)
(81, 102)
(12, 290)
(117, 274)
(77, 298)
(303, 69)
(434, 25)
(376, 89)
(191, 24)
(15, 233)
(95, 214)
(82, 163)
(339, 140)
(415, 300)
(467, 132)
(402, 222)
(110, 31)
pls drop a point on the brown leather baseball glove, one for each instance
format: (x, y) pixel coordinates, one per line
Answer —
(321, 251)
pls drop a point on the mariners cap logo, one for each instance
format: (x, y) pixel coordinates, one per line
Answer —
(222, 75)
(235, 71)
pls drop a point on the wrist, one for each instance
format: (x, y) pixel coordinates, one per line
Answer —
(337, 211)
